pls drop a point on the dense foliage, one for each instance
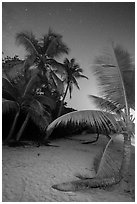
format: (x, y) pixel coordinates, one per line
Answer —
(42, 75)
(113, 71)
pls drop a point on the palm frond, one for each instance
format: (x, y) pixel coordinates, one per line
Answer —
(31, 83)
(37, 114)
(99, 120)
(129, 82)
(56, 47)
(8, 105)
(106, 105)
(29, 61)
(107, 172)
(28, 40)
(75, 82)
(58, 68)
(45, 42)
(78, 69)
(110, 68)
(46, 101)
(9, 89)
(108, 163)
(58, 82)
(78, 75)
(123, 59)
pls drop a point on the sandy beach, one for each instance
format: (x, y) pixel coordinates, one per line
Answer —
(29, 172)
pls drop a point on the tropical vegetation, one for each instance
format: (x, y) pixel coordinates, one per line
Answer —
(25, 98)
(41, 55)
(38, 78)
(116, 75)
(37, 87)
(73, 71)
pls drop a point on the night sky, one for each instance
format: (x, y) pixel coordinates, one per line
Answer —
(87, 28)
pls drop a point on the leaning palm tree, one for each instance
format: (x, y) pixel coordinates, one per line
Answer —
(117, 78)
(111, 69)
(73, 72)
(35, 106)
(101, 121)
(42, 54)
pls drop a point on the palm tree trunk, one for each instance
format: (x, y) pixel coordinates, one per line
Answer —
(60, 109)
(126, 156)
(61, 105)
(19, 134)
(13, 127)
(125, 166)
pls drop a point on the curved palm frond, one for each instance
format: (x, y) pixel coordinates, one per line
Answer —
(9, 89)
(106, 105)
(46, 101)
(129, 82)
(28, 40)
(110, 68)
(8, 105)
(78, 69)
(58, 83)
(108, 164)
(56, 47)
(107, 167)
(100, 120)
(37, 114)
(31, 83)
(45, 43)
(78, 75)
(29, 61)
(75, 82)
(57, 67)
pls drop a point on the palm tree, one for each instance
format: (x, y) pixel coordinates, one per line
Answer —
(42, 54)
(117, 77)
(73, 71)
(112, 70)
(36, 106)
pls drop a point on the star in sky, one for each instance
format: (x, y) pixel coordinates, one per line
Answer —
(80, 21)
(69, 9)
(10, 27)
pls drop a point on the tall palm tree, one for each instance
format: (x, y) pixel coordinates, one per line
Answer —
(117, 77)
(73, 72)
(36, 106)
(112, 71)
(42, 54)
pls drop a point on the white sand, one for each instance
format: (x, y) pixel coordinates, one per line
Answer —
(29, 172)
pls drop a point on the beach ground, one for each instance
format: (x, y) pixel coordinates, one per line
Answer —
(29, 172)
